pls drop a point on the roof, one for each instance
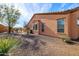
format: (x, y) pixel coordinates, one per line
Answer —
(2, 26)
(59, 12)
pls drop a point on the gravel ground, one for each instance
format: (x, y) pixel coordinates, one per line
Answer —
(38, 45)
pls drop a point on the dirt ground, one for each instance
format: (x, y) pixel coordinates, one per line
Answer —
(38, 45)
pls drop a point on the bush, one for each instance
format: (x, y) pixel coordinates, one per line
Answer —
(6, 43)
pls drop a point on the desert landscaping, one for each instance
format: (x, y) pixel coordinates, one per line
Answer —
(38, 33)
(39, 45)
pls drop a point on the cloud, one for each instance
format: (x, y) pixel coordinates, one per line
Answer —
(73, 5)
(28, 9)
(62, 6)
(38, 8)
(18, 26)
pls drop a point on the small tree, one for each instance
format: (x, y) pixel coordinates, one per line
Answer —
(10, 15)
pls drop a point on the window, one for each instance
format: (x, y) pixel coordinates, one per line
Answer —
(35, 27)
(60, 25)
(42, 27)
(78, 22)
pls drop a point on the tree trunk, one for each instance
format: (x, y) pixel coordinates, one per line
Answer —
(9, 28)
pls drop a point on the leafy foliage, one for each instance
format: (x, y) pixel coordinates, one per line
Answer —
(9, 14)
(6, 43)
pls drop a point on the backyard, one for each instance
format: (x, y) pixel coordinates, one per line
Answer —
(39, 45)
(18, 38)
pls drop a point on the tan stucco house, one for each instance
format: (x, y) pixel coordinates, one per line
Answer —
(56, 24)
(3, 28)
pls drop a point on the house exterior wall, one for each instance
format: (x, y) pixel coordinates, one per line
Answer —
(73, 27)
(50, 20)
(51, 24)
(3, 28)
(31, 24)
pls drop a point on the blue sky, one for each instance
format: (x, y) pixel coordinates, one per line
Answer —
(28, 9)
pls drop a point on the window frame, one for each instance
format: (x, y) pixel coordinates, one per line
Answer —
(35, 27)
(60, 30)
(77, 21)
(42, 27)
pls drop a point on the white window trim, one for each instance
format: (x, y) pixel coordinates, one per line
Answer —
(78, 22)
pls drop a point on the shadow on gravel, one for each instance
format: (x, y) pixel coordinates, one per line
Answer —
(29, 36)
(76, 40)
(30, 45)
(32, 42)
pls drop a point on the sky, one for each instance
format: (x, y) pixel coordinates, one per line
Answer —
(27, 10)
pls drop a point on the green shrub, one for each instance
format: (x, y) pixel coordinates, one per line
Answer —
(6, 43)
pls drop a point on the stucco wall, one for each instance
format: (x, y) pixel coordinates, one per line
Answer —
(73, 27)
(51, 24)
(50, 20)
(3, 28)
